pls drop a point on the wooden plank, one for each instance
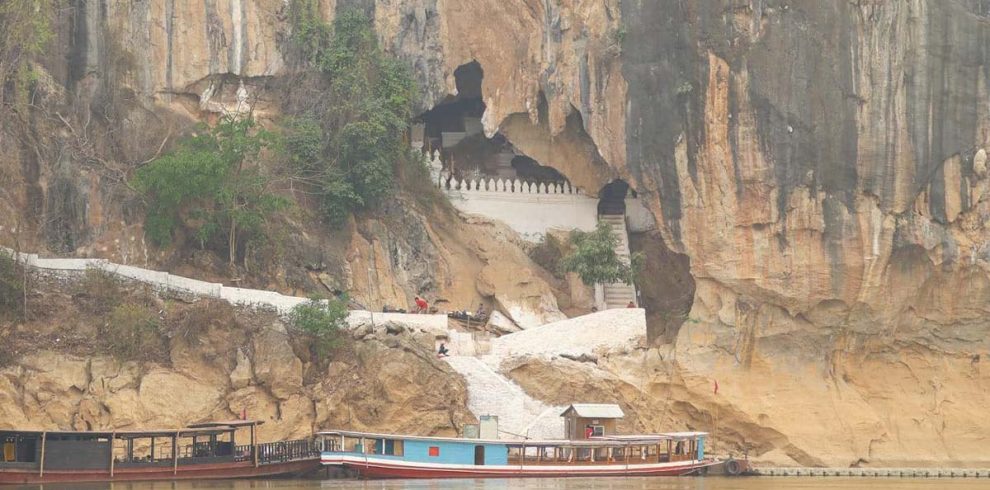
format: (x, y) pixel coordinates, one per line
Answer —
(175, 453)
(113, 436)
(41, 467)
(254, 444)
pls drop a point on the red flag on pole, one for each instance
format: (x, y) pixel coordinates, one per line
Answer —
(716, 386)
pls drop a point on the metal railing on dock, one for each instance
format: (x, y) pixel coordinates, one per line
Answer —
(876, 472)
(282, 451)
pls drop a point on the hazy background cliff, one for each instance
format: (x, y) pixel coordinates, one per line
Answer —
(816, 171)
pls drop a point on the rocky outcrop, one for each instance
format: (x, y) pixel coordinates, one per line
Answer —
(817, 172)
(240, 362)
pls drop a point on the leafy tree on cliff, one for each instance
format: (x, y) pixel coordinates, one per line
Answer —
(321, 321)
(212, 179)
(371, 97)
(593, 258)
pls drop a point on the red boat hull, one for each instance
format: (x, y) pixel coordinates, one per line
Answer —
(244, 469)
(398, 469)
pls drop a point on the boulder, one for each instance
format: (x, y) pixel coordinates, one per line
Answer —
(276, 365)
(242, 375)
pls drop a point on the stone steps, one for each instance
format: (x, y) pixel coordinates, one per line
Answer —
(618, 295)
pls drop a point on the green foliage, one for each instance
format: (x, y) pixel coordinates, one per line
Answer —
(310, 35)
(25, 31)
(302, 138)
(548, 253)
(593, 258)
(212, 177)
(372, 94)
(132, 332)
(11, 285)
(321, 321)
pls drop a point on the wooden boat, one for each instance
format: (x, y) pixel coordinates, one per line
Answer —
(200, 451)
(402, 456)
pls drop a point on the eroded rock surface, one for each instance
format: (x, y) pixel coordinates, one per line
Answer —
(818, 168)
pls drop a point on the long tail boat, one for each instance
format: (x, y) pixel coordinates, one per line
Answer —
(401, 456)
(200, 451)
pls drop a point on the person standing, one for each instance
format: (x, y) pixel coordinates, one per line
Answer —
(421, 305)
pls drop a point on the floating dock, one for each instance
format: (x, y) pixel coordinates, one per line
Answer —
(875, 472)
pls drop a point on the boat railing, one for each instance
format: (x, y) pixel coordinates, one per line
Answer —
(242, 452)
(282, 451)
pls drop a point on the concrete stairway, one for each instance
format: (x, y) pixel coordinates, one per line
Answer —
(618, 295)
(519, 415)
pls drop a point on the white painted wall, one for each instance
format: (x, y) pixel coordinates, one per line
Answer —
(529, 209)
(255, 298)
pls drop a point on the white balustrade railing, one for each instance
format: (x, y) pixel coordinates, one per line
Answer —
(448, 182)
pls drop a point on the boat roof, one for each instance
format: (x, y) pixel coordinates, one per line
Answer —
(594, 441)
(595, 411)
(226, 423)
(203, 428)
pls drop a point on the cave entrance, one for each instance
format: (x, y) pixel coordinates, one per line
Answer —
(454, 129)
(612, 198)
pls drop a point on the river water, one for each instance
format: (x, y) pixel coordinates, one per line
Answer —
(649, 483)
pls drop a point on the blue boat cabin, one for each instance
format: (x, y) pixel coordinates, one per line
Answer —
(405, 448)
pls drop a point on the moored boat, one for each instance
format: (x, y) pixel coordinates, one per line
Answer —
(200, 451)
(597, 454)
(403, 456)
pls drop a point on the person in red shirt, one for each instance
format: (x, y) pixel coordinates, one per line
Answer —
(421, 305)
(588, 432)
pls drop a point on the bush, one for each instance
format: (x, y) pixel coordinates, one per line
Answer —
(99, 290)
(11, 285)
(320, 321)
(211, 176)
(133, 332)
(200, 317)
(372, 94)
(593, 258)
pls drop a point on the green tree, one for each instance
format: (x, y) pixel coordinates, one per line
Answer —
(214, 178)
(593, 258)
(321, 321)
(25, 31)
(372, 95)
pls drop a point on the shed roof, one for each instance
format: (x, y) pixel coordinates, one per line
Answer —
(594, 411)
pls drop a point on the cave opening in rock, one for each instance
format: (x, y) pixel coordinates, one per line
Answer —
(454, 129)
(612, 198)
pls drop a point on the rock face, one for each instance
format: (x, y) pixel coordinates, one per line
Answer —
(817, 171)
(240, 362)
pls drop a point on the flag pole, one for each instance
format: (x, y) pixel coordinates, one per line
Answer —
(715, 428)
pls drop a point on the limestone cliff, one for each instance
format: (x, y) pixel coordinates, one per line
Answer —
(214, 362)
(817, 171)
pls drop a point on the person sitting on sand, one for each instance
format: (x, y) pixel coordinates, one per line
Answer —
(442, 351)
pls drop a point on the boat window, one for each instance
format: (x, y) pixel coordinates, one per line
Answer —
(393, 448)
(19, 449)
(595, 430)
(434, 451)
